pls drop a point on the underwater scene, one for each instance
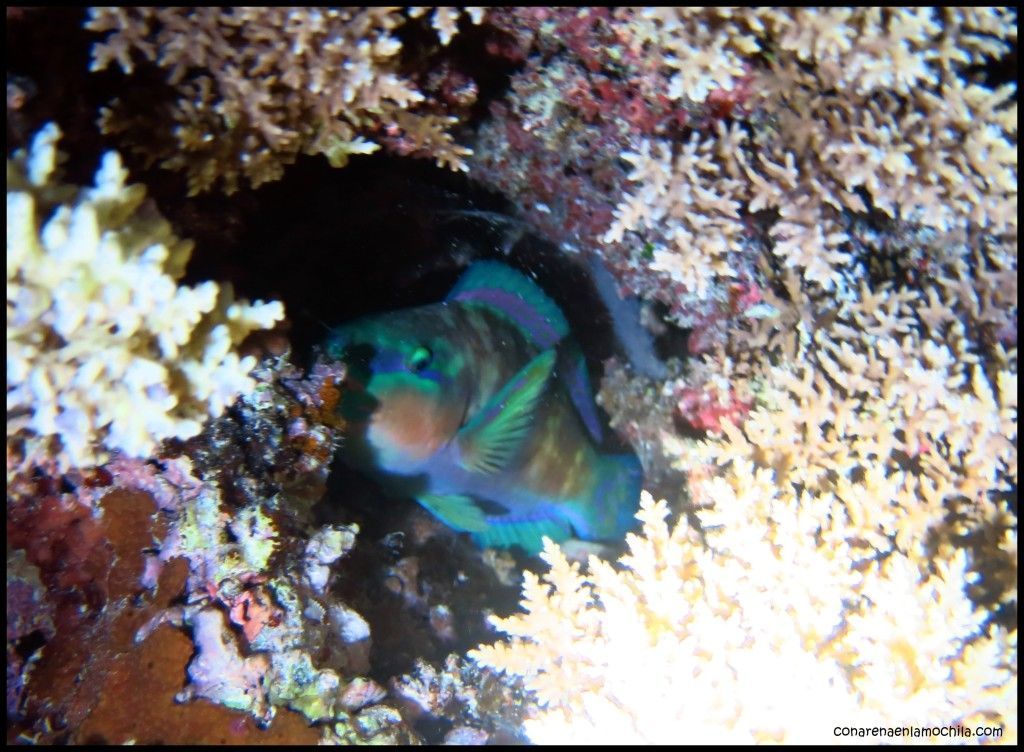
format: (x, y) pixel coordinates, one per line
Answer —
(511, 375)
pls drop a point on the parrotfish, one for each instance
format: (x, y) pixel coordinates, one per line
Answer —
(480, 408)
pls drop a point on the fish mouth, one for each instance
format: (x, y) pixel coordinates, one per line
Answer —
(356, 404)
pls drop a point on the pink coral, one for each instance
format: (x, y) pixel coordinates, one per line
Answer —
(252, 610)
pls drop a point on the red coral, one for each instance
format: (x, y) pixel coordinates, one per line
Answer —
(742, 296)
(705, 410)
(726, 103)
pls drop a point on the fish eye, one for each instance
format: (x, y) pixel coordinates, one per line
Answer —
(420, 359)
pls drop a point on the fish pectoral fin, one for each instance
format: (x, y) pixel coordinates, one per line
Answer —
(456, 511)
(489, 440)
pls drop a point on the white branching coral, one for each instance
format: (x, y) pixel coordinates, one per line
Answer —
(855, 565)
(755, 636)
(837, 112)
(445, 19)
(104, 350)
(704, 48)
(876, 406)
(858, 555)
(256, 87)
(691, 194)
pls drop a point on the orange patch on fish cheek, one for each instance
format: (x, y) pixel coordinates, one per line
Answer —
(404, 422)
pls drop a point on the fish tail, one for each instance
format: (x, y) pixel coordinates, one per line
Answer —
(609, 511)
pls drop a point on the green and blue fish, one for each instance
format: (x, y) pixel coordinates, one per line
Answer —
(480, 408)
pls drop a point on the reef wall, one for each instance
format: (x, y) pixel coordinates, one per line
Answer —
(821, 203)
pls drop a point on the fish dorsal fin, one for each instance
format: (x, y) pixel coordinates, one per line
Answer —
(511, 294)
(456, 511)
(489, 440)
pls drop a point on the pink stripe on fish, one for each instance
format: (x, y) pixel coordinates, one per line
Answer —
(524, 315)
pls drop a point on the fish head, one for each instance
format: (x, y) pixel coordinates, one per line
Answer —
(404, 394)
